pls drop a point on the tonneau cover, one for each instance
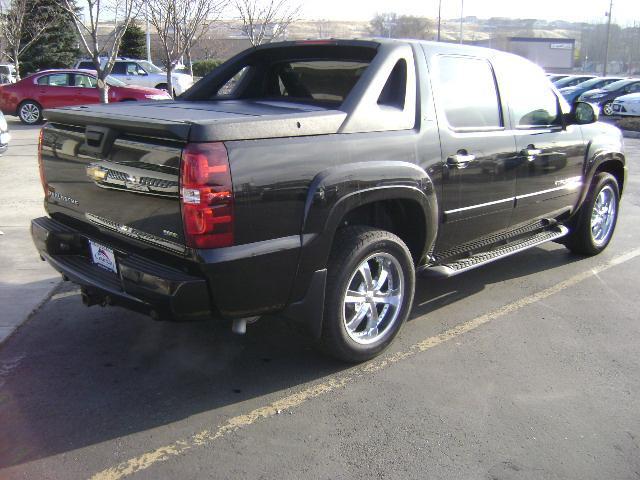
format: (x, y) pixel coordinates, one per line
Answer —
(206, 121)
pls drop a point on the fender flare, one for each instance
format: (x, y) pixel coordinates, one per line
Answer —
(335, 192)
(332, 194)
(592, 166)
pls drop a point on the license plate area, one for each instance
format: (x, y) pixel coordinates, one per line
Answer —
(103, 257)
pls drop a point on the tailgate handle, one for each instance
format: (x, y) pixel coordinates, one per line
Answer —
(98, 139)
(94, 139)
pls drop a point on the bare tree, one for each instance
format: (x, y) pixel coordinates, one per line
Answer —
(400, 26)
(15, 29)
(121, 13)
(266, 20)
(179, 24)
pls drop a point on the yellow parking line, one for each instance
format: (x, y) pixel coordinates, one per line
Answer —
(205, 437)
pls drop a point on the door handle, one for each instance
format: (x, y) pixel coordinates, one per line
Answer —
(462, 159)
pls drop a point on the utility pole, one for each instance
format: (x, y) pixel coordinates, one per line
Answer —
(462, 16)
(439, 17)
(606, 48)
(146, 14)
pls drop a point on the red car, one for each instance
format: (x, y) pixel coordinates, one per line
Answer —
(62, 88)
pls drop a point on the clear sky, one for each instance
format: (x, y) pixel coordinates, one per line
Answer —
(624, 11)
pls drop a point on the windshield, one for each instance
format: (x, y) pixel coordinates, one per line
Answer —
(149, 67)
(114, 82)
(617, 85)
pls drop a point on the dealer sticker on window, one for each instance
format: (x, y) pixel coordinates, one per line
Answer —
(103, 257)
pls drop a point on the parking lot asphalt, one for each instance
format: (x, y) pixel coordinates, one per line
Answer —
(525, 369)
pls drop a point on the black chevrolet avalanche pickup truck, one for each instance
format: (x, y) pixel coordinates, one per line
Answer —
(315, 179)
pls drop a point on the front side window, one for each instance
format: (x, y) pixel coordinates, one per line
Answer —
(84, 81)
(135, 69)
(532, 102)
(634, 87)
(55, 80)
(468, 93)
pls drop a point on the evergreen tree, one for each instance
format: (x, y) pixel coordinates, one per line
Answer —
(57, 47)
(134, 43)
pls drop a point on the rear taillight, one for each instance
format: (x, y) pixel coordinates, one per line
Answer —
(206, 193)
(43, 178)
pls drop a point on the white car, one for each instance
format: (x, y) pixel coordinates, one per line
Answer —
(627, 105)
(8, 73)
(143, 73)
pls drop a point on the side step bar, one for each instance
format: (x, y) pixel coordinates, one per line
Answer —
(480, 259)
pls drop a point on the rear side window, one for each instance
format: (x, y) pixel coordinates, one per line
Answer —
(119, 68)
(531, 100)
(229, 88)
(468, 93)
(55, 80)
(86, 66)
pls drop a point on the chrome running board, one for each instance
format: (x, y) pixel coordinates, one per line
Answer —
(483, 258)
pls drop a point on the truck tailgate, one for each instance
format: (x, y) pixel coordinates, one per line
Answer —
(114, 181)
(117, 166)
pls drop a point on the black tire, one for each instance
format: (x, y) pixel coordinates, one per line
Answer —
(352, 247)
(581, 239)
(607, 107)
(30, 112)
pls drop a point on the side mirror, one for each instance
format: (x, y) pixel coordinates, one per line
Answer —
(584, 113)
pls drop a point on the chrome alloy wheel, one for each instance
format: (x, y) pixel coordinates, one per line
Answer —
(603, 216)
(607, 109)
(373, 298)
(30, 113)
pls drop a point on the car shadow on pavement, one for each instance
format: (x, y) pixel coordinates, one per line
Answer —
(72, 377)
(433, 293)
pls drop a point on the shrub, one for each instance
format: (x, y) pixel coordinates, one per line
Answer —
(203, 67)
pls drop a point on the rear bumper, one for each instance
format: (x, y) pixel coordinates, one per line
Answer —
(140, 284)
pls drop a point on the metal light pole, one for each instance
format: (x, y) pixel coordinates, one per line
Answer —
(146, 15)
(606, 48)
(461, 17)
(439, 17)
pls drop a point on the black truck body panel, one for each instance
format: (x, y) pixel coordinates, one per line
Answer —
(299, 172)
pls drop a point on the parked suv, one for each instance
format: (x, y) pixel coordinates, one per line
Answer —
(315, 179)
(143, 73)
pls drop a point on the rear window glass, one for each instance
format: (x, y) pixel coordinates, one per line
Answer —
(322, 80)
(323, 75)
(86, 66)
